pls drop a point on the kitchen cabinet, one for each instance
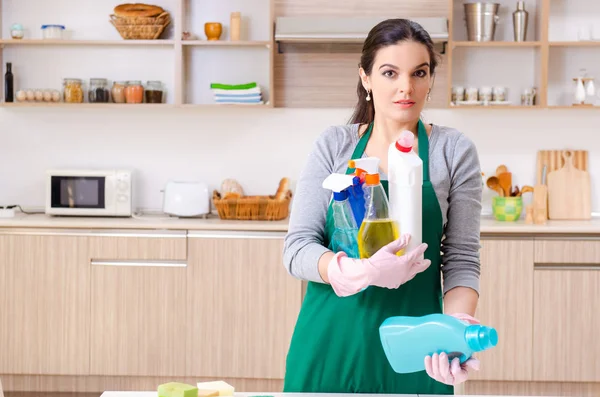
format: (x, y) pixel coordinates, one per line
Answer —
(566, 321)
(138, 303)
(44, 303)
(506, 303)
(242, 305)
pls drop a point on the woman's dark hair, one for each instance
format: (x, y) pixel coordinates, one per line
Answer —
(385, 33)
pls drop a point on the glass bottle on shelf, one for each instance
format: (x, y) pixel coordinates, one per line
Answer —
(72, 90)
(154, 92)
(98, 92)
(134, 92)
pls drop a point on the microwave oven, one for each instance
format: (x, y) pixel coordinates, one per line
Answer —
(89, 192)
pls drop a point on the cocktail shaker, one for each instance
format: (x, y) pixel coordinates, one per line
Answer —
(520, 19)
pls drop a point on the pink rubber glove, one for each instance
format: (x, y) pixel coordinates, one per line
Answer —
(439, 368)
(385, 269)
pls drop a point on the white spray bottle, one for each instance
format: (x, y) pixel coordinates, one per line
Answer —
(405, 186)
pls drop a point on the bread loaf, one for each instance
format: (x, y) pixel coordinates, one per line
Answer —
(137, 10)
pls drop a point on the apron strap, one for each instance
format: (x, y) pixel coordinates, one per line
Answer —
(423, 147)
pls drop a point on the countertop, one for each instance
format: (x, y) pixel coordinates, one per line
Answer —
(489, 226)
(267, 394)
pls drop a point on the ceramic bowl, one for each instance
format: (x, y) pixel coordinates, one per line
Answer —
(507, 208)
(213, 30)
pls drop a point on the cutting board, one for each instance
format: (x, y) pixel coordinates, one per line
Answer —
(569, 192)
(553, 160)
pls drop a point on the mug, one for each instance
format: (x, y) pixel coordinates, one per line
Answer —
(499, 94)
(528, 96)
(472, 94)
(485, 94)
(458, 94)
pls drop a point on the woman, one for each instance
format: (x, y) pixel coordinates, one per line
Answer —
(336, 347)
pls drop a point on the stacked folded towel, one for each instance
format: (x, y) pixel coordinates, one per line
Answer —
(237, 93)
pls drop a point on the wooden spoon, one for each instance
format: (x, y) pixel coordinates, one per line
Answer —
(494, 184)
(526, 189)
(501, 169)
(515, 192)
(505, 180)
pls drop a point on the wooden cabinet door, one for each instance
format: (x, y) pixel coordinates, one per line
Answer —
(567, 311)
(242, 305)
(44, 303)
(138, 304)
(506, 303)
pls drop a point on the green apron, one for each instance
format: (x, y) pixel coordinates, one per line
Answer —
(336, 347)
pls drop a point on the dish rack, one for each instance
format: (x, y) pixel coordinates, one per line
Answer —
(256, 208)
(141, 28)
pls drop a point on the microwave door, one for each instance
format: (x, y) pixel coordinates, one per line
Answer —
(78, 192)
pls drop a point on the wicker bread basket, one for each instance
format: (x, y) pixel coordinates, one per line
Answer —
(256, 208)
(141, 28)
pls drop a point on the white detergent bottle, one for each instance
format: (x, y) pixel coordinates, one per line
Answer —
(405, 178)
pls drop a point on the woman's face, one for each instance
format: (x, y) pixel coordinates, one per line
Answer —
(399, 81)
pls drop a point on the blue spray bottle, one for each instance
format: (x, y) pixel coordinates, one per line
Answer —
(407, 340)
(346, 231)
(357, 198)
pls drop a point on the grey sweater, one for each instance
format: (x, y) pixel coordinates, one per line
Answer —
(454, 171)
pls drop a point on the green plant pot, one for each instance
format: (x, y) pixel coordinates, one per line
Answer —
(507, 208)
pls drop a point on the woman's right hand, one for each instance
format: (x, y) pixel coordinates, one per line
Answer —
(384, 269)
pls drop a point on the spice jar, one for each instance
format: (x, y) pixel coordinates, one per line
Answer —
(154, 92)
(73, 92)
(118, 91)
(134, 92)
(98, 92)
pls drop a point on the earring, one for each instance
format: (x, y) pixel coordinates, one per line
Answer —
(428, 96)
(368, 98)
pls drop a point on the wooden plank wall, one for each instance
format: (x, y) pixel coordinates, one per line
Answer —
(326, 75)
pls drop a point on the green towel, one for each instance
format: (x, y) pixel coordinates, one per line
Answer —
(219, 86)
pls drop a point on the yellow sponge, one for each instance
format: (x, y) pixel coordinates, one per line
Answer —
(219, 386)
(176, 389)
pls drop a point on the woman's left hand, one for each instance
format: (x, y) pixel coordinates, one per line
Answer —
(452, 373)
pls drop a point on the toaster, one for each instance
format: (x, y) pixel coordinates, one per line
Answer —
(186, 198)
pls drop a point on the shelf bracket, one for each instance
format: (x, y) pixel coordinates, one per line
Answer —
(279, 47)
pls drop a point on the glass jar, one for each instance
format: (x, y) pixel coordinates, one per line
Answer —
(52, 32)
(73, 92)
(118, 91)
(98, 92)
(134, 92)
(16, 31)
(154, 92)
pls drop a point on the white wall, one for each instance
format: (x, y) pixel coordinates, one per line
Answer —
(255, 146)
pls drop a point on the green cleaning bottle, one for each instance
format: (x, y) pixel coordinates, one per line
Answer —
(377, 228)
(345, 228)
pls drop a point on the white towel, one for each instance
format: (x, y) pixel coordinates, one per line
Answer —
(255, 90)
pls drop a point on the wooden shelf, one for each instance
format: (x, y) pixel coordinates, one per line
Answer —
(84, 105)
(224, 43)
(495, 107)
(573, 107)
(42, 42)
(574, 43)
(514, 44)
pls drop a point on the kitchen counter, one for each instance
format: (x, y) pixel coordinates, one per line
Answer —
(266, 394)
(489, 226)
(145, 221)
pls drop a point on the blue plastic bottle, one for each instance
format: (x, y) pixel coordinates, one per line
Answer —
(407, 340)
